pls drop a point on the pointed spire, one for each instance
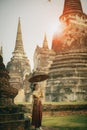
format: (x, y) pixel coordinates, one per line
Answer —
(19, 43)
(45, 43)
(1, 50)
(72, 7)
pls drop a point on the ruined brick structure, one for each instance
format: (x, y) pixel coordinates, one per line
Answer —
(67, 67)
(66, 61)
(43, 57)
(10, 116)
(19, 67)
(68, 72)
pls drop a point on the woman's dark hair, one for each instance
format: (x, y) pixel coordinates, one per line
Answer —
(32, 86)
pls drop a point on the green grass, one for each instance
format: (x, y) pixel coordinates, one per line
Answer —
(65, 121)
(62, 122)
(54, 103)
(65, 103)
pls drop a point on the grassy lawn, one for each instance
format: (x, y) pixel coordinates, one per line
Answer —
(66, 103)
(71, 122)
(65, 121)
(54, 103)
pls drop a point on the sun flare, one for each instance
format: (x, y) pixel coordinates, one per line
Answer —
(56, 27)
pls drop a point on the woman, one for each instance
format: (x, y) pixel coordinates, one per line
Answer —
(37, 107)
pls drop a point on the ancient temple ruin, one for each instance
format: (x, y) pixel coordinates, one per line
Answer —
(11, 118)
(68, 72)
(19, 68)
(66, 61)
(43, 57)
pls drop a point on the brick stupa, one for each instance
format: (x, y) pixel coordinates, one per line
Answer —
(68, 72)
(10, 116)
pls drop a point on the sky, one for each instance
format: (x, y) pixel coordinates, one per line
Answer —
(37, 18)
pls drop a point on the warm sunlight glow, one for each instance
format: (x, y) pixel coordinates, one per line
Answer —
(56, 27)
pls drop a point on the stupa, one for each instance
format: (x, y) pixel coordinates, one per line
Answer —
(19, 67)
(10, 116)
(43, 57)
(68, 72)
